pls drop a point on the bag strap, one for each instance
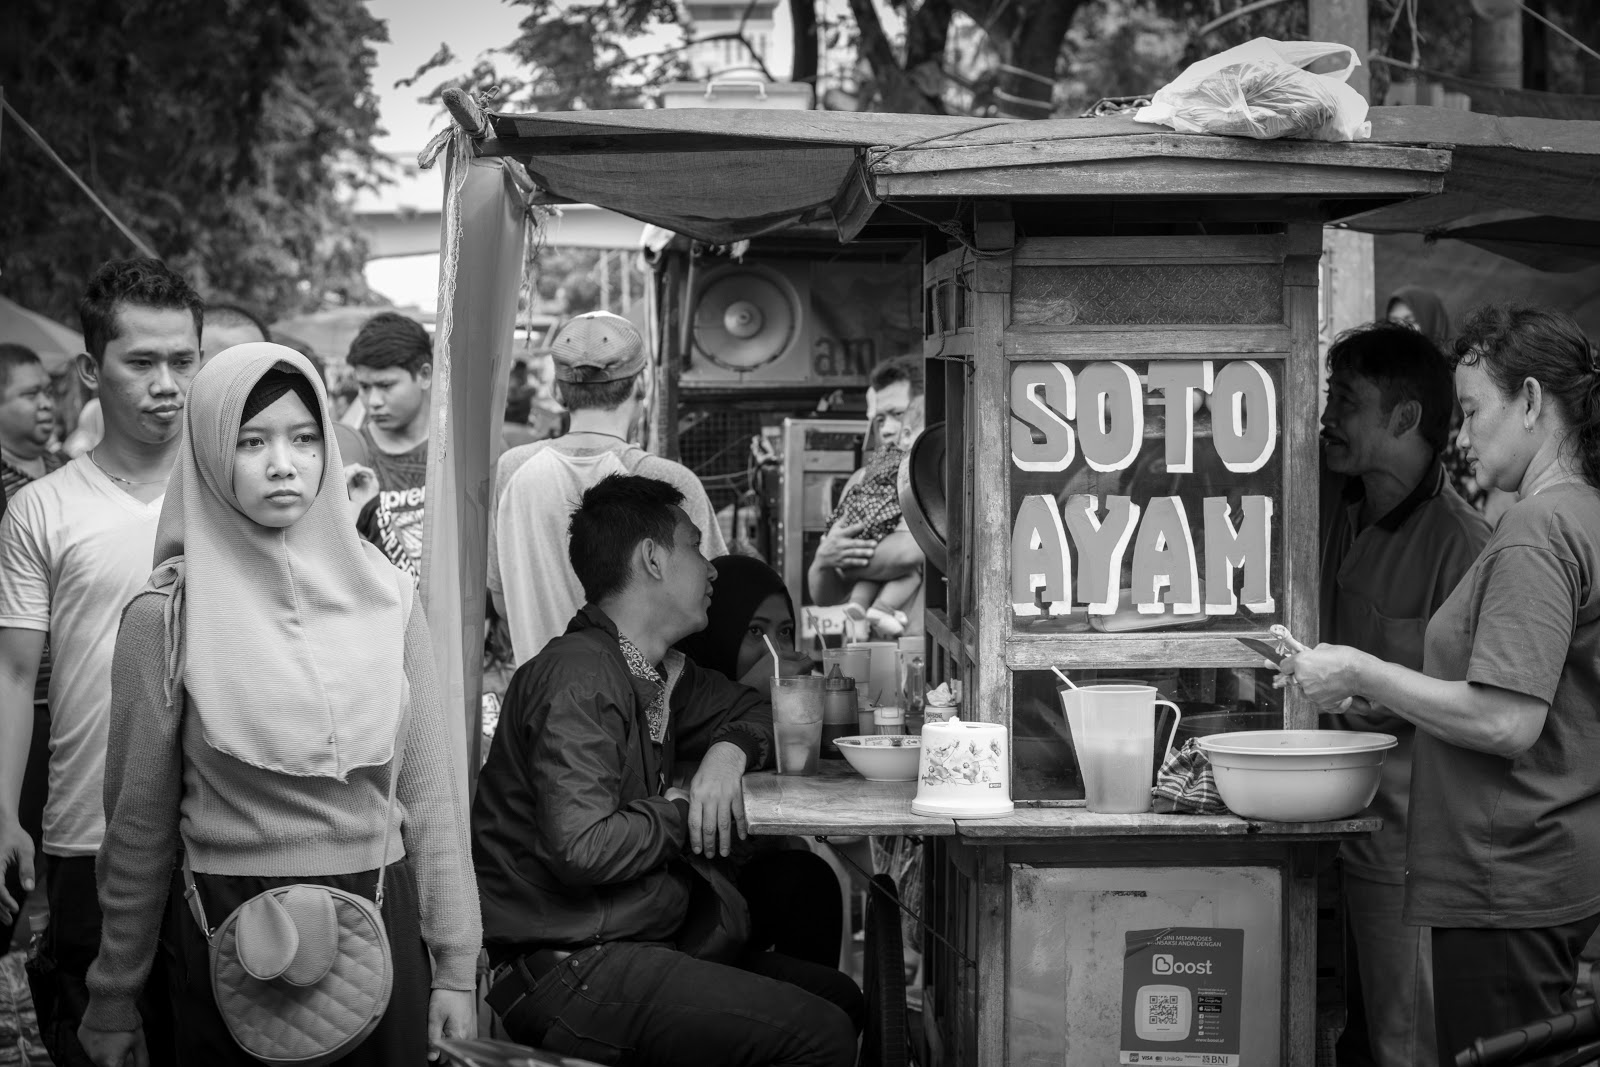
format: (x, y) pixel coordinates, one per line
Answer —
(191, 892)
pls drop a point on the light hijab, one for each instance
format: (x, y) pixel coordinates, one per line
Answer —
(289, 642)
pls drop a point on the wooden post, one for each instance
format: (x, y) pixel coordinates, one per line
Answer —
(1344, 22)
(1497, 44)
(1348, 294)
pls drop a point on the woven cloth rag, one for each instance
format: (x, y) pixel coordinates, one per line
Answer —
(1185, 785)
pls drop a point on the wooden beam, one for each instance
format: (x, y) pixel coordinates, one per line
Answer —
(1093, 251)
(1144, 342)
(1166, 178)
(1299, 429)
(936, 158)
(1041, 651)
(639, 143)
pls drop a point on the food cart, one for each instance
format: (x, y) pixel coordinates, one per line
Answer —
(1120, 324)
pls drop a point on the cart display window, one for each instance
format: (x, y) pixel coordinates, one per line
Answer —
(1146, 495)
(1212, 700)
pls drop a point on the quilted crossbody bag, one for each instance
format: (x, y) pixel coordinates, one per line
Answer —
(302, 974)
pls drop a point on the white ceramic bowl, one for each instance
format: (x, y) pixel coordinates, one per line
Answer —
(882, 757)
(1297, 775)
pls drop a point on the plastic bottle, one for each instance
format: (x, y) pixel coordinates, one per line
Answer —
(839, 717)
(888, 719)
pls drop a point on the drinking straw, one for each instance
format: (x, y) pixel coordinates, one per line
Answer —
(1070, 683)
(777, 665)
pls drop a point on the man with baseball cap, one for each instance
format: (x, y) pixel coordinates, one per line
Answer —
(600, 377)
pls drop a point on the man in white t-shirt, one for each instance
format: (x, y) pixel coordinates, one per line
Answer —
(74, 548)
(600, 362)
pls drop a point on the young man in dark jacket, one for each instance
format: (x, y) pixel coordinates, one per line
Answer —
(579, 841)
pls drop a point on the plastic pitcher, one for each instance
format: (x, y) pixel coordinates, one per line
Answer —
(1114, 732)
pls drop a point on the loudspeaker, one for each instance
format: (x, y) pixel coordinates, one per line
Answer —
(799, 322)
(748, 319)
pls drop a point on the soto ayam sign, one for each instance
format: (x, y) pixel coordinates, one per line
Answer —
(1096, 413)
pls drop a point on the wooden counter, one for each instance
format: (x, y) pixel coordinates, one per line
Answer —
(837, 801)
(1066, 822)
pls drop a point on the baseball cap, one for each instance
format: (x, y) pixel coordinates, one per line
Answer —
(597, 347)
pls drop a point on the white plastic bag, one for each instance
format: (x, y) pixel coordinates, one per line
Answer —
(1266, 89)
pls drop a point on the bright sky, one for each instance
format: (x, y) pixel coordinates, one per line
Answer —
(416, 29)
(470, 28)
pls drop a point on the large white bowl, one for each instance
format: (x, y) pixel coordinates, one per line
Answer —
(882, 757)
(1297, 775)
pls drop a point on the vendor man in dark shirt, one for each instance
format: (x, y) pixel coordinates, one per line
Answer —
(1393, 548)
(581, 846)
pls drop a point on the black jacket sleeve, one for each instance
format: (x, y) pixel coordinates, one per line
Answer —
(596, 823)
(707, 708)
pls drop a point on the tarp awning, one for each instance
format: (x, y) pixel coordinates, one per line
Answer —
(722, 175)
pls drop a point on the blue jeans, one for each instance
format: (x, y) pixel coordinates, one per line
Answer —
(633, 1004)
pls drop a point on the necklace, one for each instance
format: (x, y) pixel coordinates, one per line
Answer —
(120, 478)
(602, 433)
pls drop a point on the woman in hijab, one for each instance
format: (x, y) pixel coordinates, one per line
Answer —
(259, 686)
(748, 603)
(1423, 311)
(795, 906)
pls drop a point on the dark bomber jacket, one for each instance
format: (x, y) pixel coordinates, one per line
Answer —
(573, 841)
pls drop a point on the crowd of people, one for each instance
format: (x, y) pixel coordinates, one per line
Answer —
(218, 698)
(216, 686)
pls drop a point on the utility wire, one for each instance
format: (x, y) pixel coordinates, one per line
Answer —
(44, 146)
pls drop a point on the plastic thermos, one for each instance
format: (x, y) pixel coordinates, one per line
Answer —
(838, 711)
(888, 719)
(913, 688)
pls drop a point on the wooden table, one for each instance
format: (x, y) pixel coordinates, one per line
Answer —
(835, 802)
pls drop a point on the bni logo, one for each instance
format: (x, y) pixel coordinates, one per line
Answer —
(1161, 963)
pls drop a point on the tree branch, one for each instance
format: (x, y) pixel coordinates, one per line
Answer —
(803, 28)
(927, 33)
(896, 91)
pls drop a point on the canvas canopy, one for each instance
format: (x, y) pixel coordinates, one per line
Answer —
(727, 175)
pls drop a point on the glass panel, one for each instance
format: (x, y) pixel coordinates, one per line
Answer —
(1184, 529)
(1213, 700)
(1147, 293)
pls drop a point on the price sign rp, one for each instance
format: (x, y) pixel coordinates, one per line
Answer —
(1097, 414)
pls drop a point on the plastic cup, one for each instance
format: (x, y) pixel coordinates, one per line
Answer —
(883, 681)
(797, 705)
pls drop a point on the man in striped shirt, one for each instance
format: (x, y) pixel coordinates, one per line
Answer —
(27, 422)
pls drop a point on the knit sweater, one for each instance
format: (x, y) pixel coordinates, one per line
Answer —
(237, 819)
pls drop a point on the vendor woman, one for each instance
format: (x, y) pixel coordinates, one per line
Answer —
(1503, 854)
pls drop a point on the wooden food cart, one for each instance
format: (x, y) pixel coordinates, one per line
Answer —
(1120, 325)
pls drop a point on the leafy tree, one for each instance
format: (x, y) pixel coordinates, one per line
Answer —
(228, 134)
(575, 55)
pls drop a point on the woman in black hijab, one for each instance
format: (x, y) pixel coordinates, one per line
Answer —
(748, 602)
(795, 905)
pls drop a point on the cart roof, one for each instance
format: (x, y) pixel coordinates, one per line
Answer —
(723, 175)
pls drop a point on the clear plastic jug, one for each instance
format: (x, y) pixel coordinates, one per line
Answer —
(1114, 733)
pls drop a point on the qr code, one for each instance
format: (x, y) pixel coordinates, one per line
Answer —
(1163, 1010)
